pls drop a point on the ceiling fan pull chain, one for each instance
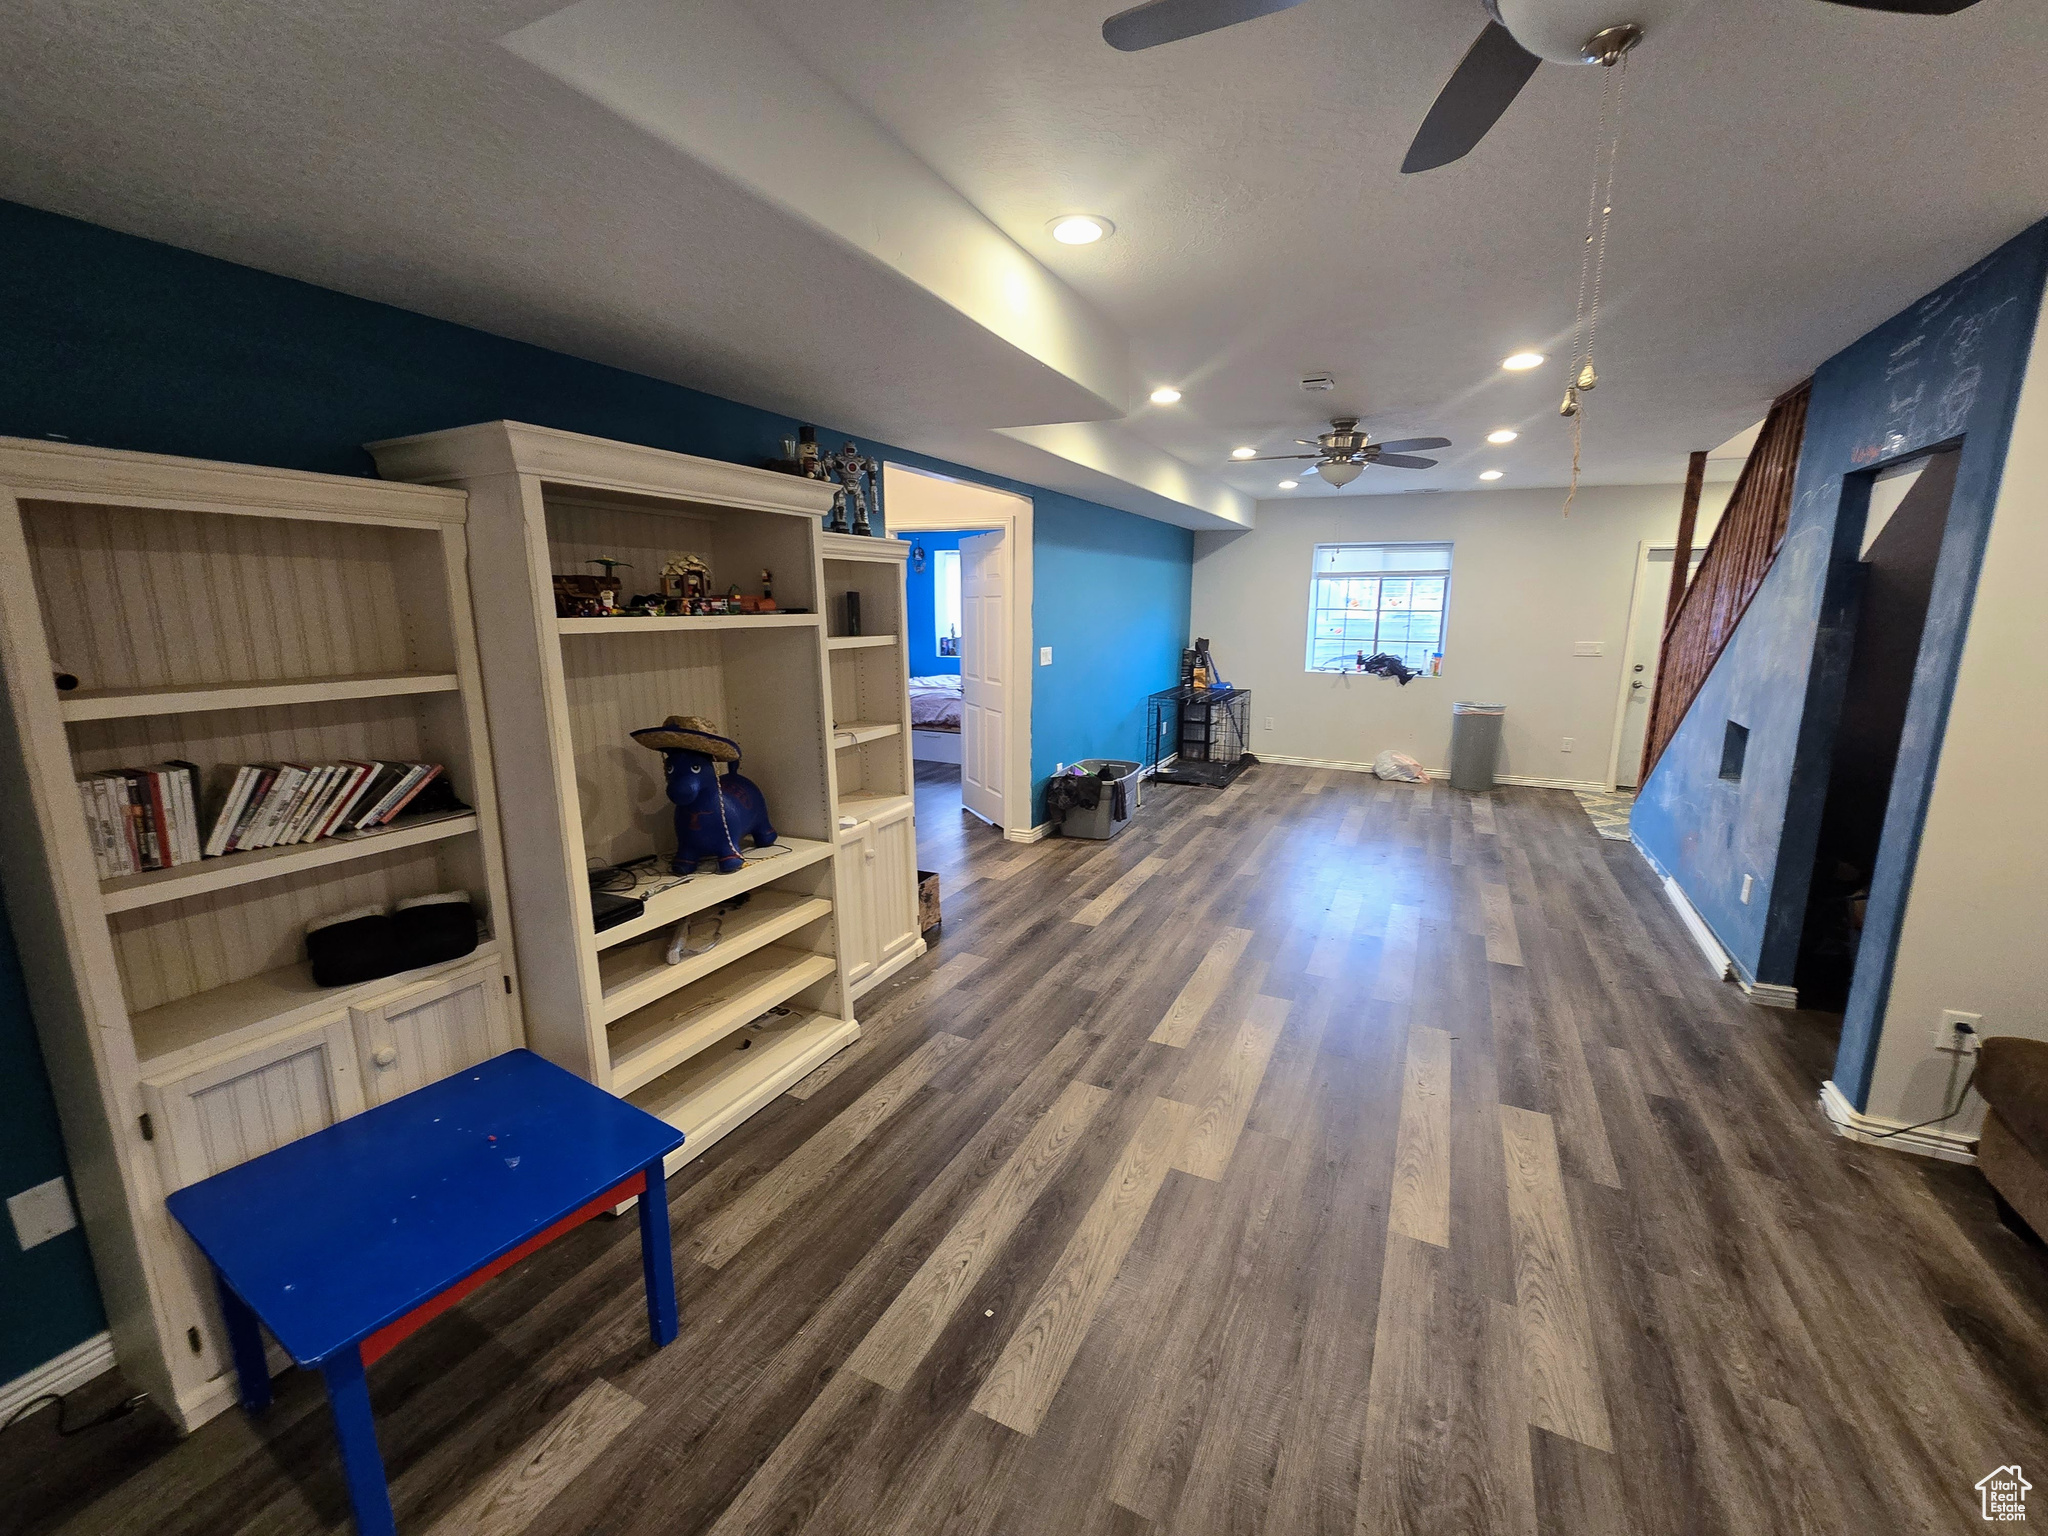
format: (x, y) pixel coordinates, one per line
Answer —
(1587, 378)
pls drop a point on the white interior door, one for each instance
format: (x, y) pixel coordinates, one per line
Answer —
(984, 651)
(1645, 642)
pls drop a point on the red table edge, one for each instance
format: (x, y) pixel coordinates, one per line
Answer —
(376, 1345)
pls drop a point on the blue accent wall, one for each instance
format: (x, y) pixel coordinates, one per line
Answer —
(52, 1301)
(125, 343)
(920, 609)
(1110, 595)
(1947, 370)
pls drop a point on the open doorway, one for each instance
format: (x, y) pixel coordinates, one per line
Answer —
(1902, 538)
(968, 614)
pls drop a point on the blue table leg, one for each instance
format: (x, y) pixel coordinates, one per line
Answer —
(245, 1343)
(657, 1263)
(348, 1394)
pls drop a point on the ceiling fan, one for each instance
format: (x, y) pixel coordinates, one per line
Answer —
(1343, 452)
(1519, 35)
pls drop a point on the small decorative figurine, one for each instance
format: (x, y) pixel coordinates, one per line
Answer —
(857, 477)
(684, 579)
(713, 811)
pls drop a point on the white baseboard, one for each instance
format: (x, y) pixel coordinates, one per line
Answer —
(1517, 780)
(1927, 1141)
(1768, 994)
(70, 1370)
(887, 968)
(1718, 963)
(1033, 835)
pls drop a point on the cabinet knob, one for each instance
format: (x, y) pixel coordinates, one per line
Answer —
(871, 853)
(385, 1055)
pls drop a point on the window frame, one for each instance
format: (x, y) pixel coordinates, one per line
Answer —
(1316, 576)
(942, 560)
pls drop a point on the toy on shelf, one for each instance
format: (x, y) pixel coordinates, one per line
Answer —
(713, 811)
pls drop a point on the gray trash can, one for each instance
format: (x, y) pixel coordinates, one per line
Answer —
(1103, 822)
(1475, 744)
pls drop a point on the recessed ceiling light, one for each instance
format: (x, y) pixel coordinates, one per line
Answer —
(1288, 485)
(1489, 474)
(1522, 361)
(1504, 435)
(1165, 395)
(1244, 453)
(1081, 229)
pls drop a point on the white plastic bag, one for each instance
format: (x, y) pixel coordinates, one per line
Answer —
(1399, 766)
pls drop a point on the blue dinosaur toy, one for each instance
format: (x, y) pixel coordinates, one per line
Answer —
(713, 811)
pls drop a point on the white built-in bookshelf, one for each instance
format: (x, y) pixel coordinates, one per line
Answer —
(224, 615)
(706, 1042)
(871, 750)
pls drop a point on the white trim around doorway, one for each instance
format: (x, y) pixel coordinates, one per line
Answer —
(916, 500)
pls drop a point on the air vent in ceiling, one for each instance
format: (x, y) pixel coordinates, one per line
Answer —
(1318, 383)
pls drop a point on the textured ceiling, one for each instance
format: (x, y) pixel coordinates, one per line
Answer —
(1793, 172)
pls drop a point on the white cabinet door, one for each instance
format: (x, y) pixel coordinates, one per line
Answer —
(894, 886)
(859, 939)
(423, 1035)
(209, 1118)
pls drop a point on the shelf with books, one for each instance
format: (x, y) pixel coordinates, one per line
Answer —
(141, 703)
(222, 616)
(126, 893)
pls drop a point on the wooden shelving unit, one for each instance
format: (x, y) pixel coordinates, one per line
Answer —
(700, 1042)
(871, 751)
(221, 615)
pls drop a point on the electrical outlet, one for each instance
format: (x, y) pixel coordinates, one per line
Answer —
(1748, 885)
(1269, 722)
(1959, 1032)
(1569, 743)
(41, 1213)
(1045, 655)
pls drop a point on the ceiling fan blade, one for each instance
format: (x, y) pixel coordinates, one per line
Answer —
(1168, 21)
(1472, 100)
(1410, 444)
(1910, 7)
(1266, 457)
(1403, 461)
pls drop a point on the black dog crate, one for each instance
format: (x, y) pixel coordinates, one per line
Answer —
(1198, 735)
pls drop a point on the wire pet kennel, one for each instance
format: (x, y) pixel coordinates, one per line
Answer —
(1198, 735)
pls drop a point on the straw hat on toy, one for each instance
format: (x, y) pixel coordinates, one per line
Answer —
(689, 733)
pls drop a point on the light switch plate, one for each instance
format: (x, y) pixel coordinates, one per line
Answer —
(1045, 655)
(1589, 647)
(41, 1213)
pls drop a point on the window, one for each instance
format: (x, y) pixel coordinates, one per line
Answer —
(946, 600)
(1365, 598)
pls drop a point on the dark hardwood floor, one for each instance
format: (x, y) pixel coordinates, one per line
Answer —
(1320, 1156)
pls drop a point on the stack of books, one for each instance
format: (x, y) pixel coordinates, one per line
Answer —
(142, 818)
(146, 818)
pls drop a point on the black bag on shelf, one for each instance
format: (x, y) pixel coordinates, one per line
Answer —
(354, 946)
(430, 929)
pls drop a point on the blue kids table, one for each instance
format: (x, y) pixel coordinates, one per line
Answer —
(345, 1242)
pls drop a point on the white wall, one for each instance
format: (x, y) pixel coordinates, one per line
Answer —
(1978, 907)
(1526, 583)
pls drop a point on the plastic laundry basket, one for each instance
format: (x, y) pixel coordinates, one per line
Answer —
(1475, 744)
(1102, 822)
